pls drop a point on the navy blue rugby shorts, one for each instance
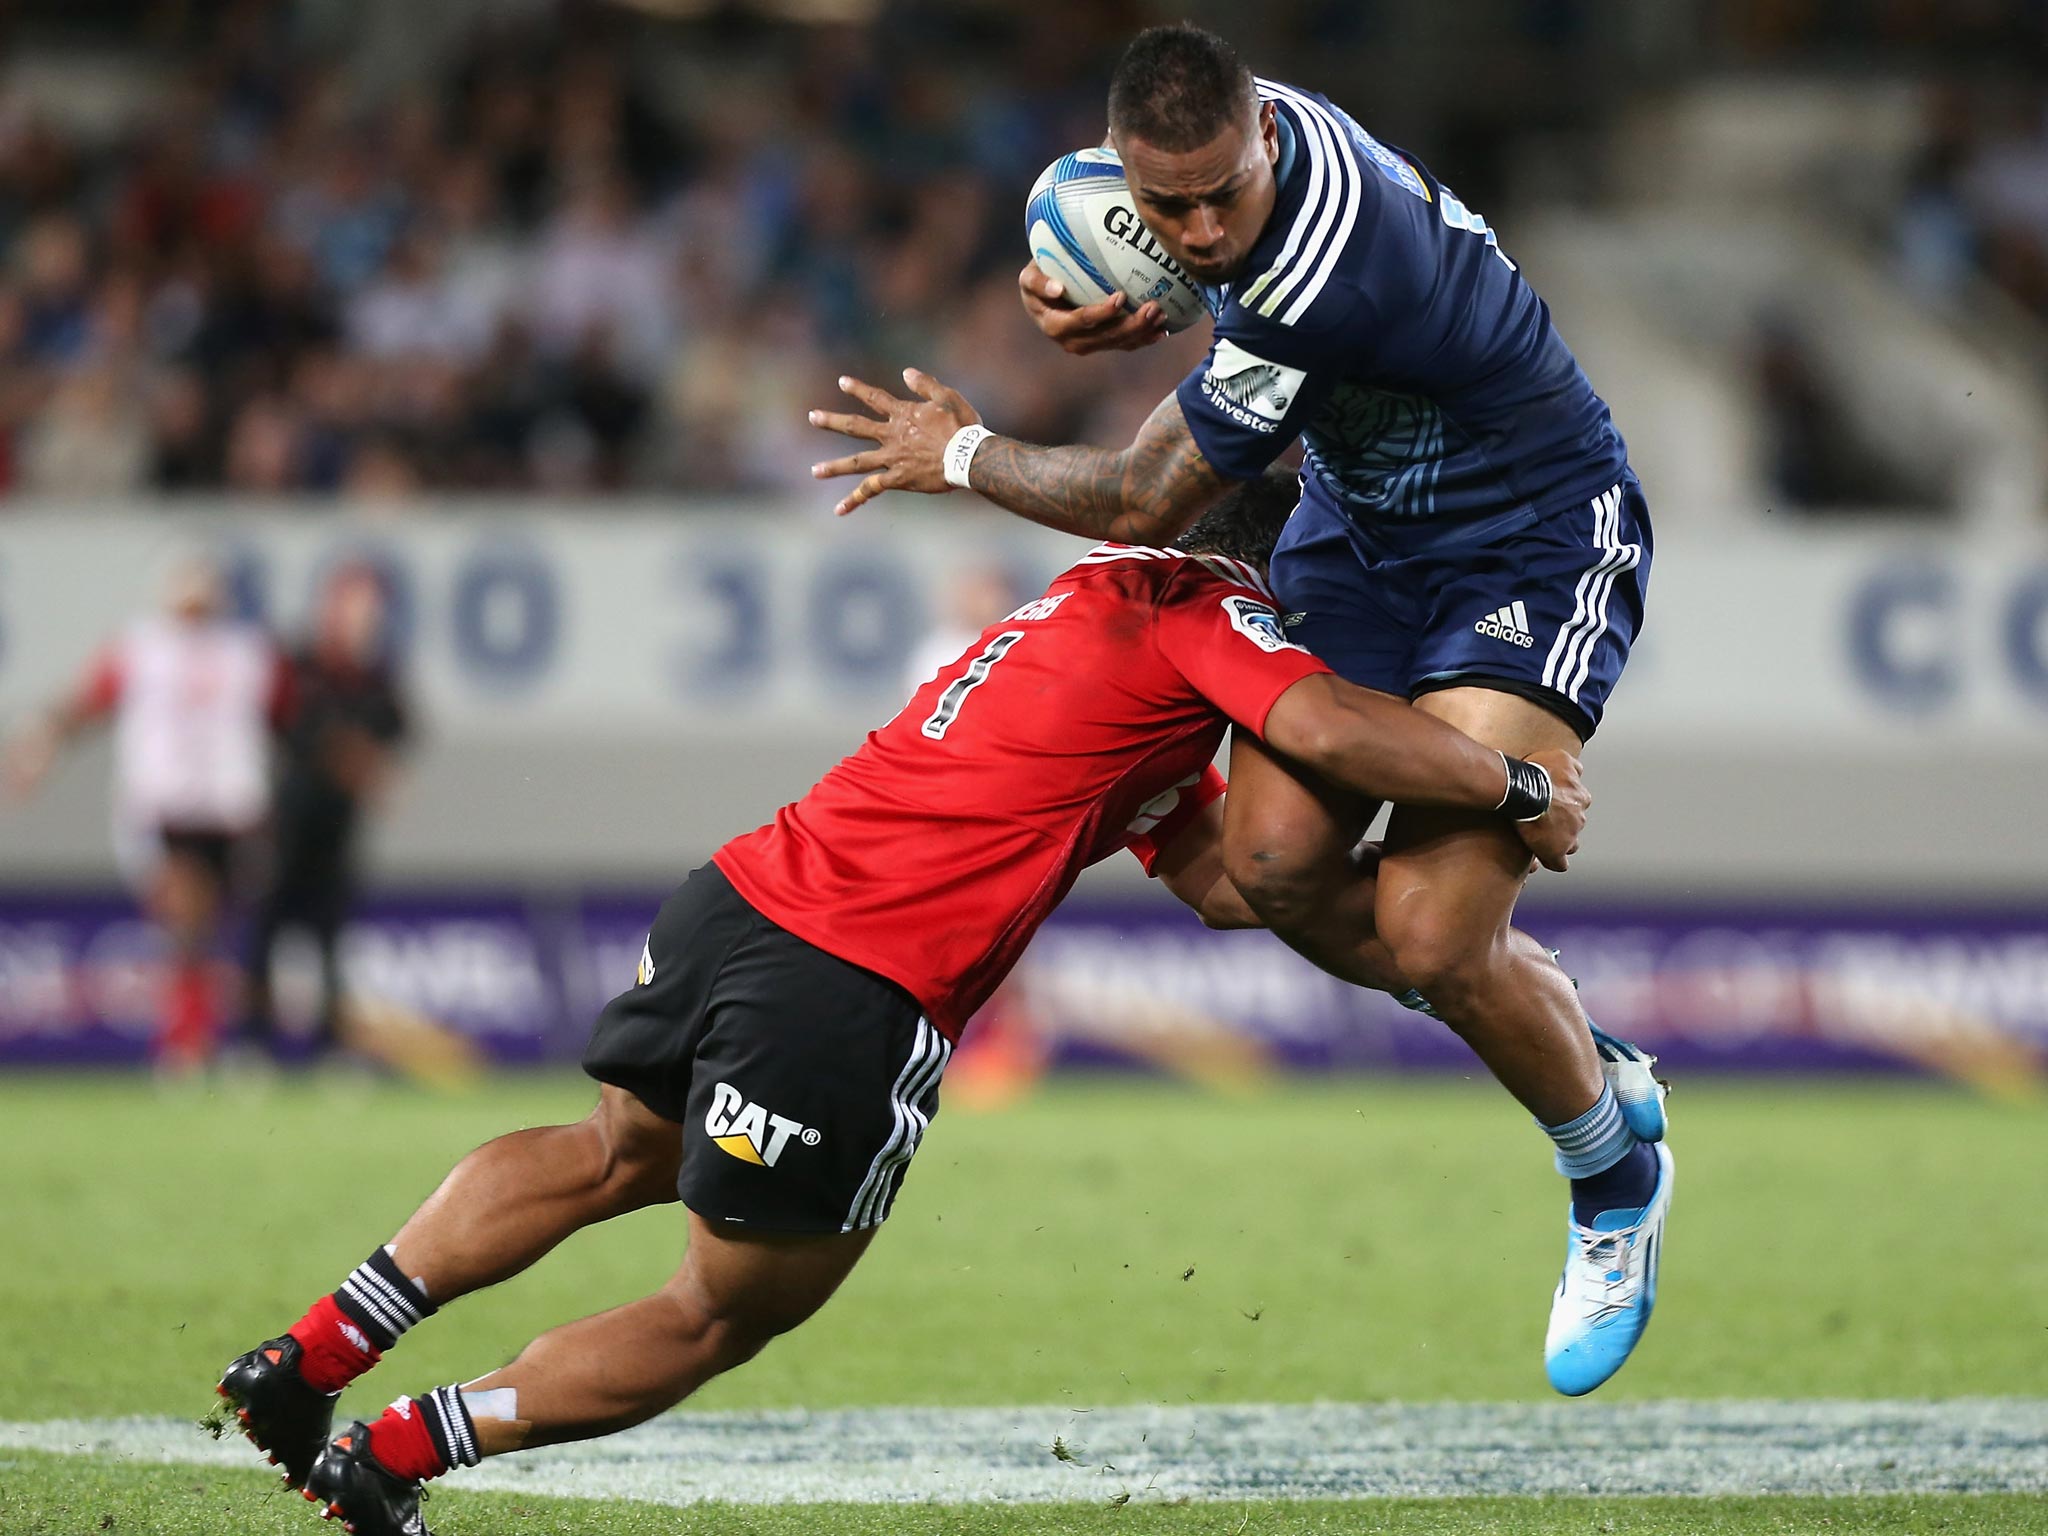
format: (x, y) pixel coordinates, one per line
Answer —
(1548, 611)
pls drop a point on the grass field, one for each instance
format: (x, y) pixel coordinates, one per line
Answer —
(1103, 1246)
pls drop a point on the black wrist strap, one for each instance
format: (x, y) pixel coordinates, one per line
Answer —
(1528, 795)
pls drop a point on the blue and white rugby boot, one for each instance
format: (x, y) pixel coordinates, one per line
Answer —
(1607, 1291)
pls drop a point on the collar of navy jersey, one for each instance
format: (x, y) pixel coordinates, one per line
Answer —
(1284, 171)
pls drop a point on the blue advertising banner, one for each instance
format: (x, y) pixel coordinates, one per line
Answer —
(518, 977)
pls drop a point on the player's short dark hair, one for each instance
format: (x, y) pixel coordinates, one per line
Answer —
(1178, 87)
(1246, 523)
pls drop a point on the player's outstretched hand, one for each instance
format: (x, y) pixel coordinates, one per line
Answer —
(1554, 836)
(1108, 325)
(910, 437)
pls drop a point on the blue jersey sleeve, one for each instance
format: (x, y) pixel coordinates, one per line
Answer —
(1263, 381)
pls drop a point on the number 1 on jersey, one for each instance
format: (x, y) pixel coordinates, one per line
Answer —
(976, 674)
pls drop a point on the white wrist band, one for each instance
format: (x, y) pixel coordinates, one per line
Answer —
(960, 448)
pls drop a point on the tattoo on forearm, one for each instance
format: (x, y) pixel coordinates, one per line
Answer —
(1147, 493)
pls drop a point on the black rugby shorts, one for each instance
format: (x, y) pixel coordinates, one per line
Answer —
(803, 1084)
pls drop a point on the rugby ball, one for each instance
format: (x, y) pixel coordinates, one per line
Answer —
(1084, 230)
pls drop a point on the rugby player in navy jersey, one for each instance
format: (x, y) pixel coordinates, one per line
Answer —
(1470, 536)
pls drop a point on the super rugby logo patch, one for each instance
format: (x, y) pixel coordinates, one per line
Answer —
(741, 1128)
(1258, 624)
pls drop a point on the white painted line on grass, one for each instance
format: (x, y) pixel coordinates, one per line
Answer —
(1330, 1450)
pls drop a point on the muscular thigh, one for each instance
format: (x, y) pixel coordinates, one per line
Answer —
(771, 1281)
(1515, 725)
(1462, 858)
(636, 1136)
(1281, 817)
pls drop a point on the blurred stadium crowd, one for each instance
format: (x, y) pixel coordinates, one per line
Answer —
(565, 259)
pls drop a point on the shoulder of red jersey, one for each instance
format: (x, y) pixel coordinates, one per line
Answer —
(1179, 583)
(1177, 567)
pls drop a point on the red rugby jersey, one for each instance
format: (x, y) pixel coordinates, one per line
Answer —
(1084, 722)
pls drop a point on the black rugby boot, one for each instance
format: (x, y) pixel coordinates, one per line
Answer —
(368, 1501)
(276, 1409)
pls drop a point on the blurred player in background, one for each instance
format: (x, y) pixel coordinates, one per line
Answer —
(778, 1059)
(338, 751)
(193, 695)
(1470, 536)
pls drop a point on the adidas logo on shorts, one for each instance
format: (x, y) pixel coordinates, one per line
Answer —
(1510, 624)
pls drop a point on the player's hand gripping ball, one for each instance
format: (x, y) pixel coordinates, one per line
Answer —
(910, 437)
(1098, 278)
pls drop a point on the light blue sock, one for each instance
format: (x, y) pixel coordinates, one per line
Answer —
(1595, 1141)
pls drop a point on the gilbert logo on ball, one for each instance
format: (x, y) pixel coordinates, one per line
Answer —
(1084, 231)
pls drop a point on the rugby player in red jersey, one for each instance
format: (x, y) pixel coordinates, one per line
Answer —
(777, 1061)
(193, 695)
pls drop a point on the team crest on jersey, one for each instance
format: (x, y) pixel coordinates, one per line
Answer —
(1248, 389)
(741, 1128)
(646, 972)
(1258, 624)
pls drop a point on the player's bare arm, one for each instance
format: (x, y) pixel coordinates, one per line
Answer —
(1191, 867)
(1386, 749)
(1108, 325)
(1147, 493)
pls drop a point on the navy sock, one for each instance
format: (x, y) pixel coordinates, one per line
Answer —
(1626, 1186)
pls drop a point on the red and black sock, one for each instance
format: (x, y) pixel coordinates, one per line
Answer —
(422, 1437)
(343, 1335)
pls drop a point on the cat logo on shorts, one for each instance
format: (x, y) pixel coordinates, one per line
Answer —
(742, 1128)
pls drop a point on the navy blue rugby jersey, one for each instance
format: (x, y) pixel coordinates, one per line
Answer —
(1379, 320)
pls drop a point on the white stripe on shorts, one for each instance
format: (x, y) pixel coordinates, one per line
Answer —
(928, 1057)
(1571, 655)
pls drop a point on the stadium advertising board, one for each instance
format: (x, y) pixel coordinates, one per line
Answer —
(517, 623)
(779, 616)
(604, 696)
(516, 979)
